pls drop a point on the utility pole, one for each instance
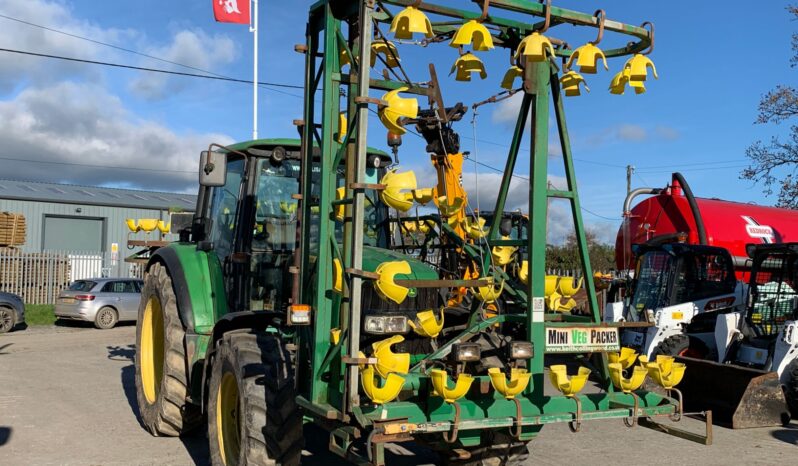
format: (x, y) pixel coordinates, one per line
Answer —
(630, 169)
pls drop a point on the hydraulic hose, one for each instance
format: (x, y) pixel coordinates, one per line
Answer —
(699, 221)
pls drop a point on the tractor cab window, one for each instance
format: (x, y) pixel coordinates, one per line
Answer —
(374, 211)
(774, 298)
(223, 209)
(275, 206)
(651, 287)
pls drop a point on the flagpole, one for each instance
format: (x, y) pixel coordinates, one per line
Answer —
(254, 30)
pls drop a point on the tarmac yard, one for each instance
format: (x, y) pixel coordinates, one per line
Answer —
(67, 396)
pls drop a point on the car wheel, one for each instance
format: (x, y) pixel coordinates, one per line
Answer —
(106, 318)
(7, 319)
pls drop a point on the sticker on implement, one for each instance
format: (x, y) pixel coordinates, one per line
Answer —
(581, 339)
(538, 309)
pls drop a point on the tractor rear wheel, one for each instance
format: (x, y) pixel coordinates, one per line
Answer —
(253, 418)
(791, 387)
(497, 449)
(161, 375)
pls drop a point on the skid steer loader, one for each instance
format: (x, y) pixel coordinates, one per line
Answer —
(754, 380)
(286, 301)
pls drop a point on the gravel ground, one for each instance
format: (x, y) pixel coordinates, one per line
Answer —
(67, 396)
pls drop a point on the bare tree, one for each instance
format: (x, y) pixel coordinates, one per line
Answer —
(774, 164)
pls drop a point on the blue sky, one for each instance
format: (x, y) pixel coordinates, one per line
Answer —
(714, 65)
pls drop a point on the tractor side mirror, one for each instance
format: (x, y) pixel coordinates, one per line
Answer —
(212, 169)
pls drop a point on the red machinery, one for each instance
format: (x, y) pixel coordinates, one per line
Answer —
(673, 214)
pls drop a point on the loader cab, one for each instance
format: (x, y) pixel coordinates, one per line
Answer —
(249, 219)
(773, 290)
(671, 274)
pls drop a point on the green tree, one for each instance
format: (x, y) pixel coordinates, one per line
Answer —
(773, 164)
(566, 256)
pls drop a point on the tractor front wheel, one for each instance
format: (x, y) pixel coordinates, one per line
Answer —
(253, 418)
(161, 379)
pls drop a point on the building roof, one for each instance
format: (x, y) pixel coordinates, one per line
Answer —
(92, 195)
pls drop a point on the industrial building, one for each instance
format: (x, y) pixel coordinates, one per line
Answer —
(87, 220)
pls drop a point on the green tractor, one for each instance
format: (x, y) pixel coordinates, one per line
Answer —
(288, 301)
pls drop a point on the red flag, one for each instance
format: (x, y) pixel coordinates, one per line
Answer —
(231, 11)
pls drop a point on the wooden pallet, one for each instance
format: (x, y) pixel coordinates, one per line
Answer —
(12, 229)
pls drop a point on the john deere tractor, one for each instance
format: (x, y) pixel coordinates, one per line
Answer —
(288, 301)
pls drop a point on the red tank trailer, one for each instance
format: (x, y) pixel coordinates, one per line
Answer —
(673, 214)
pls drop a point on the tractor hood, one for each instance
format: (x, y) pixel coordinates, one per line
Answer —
(373, 257)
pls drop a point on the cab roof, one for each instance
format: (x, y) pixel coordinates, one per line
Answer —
(289, 143)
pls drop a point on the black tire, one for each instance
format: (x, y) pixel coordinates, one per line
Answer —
(106, 318)
(497, 448)
(8, 319)
(269, 422)
(791, 387)
(682, 345)
(166, 412)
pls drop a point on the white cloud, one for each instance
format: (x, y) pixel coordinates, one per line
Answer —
(84, 124)
(189, 47)
(630, 132)
(667, 133)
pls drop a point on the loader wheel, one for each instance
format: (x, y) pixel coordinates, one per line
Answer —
(682, 345)
(497, 449)
(253, 418)
(791, 387)
(161, 376)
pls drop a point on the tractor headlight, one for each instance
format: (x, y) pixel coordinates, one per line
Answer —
(382, 324)
(466, 352)
(521, 350)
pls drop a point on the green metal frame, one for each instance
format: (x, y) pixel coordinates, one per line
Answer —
(329, 386)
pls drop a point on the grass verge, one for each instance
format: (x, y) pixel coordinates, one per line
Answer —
(39, 314)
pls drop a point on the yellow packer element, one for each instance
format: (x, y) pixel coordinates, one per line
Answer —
(288, 207)
(132, 225)
(148, 224)
(666, 380)
(429, 324)
(618, 83)
(164, 227)
(523, 272)
(338, 276)
(626, 358)
(558, 374)
(638, 67)
(340, 210)
(502, 255)
(398, 189)
(570, 83)
(411, 21)
(473, 33)
(387, 361)
(587, 57)
(624, 384)
(423, 195)
(398, 107)
(509, 77)
(534, 47)
(567, 287)
(440, 382)
(390, 389)
(335, 336)
(447, 209)
(343, 58)
(489, 293)
(387, 50)
(476, 229)
(386, 286)
(519, 379)
(343, 125)
(467, 65)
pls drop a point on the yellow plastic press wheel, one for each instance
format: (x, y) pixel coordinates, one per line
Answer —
(152, 349)
(227, 417)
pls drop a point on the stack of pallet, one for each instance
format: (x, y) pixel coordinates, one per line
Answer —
(12, 229)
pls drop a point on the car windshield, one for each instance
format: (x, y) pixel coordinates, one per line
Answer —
(82, 285)
(651, 282)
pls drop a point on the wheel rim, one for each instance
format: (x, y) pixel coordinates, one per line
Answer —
(106, 317)
(227, 416)
(5, 319)
(151, 349)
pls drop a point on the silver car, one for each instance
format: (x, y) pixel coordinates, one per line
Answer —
(104, 301)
